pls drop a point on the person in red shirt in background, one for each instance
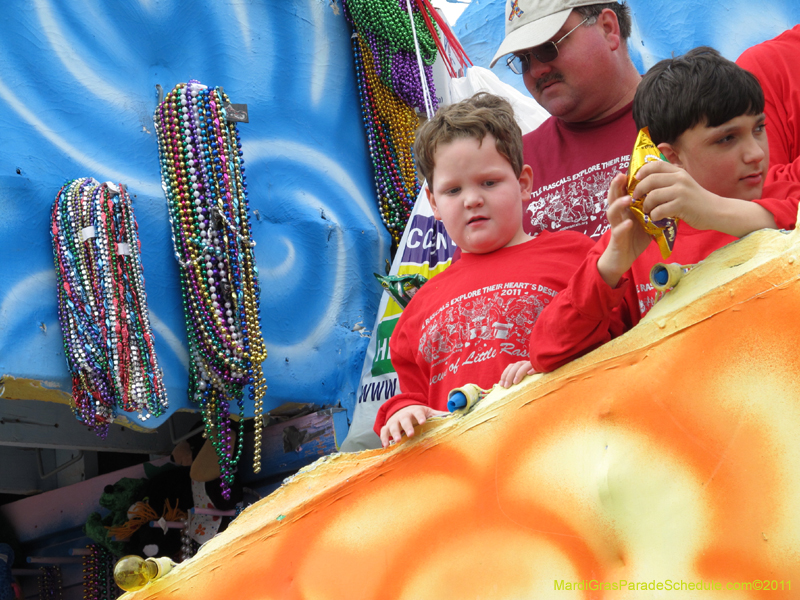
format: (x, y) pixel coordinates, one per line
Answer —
(775, 65)
(706, 115)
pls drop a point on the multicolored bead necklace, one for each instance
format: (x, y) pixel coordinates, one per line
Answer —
(50, 586)
(386, 27)
(188, 545)
(394, 51)
(390, 125)
(98, 574)
(203, 177)
(102, 305)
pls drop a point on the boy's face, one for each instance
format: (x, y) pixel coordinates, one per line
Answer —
(730, 160)
(477, 195)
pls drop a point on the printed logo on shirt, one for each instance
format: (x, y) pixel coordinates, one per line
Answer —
(576, 202)
(645, 304)
(482, 325)
(647, 297)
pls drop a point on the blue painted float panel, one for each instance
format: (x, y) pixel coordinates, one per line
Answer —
(77, 95)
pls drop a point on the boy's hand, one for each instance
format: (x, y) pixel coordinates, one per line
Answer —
(628, 237)
(515, 372)
(672, 192)
(403, 422)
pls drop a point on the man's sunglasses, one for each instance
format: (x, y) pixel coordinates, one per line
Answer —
(544, 53)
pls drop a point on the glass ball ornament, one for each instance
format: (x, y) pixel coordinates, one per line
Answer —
(132, 573)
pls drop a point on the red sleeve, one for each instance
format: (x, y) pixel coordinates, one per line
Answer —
(787, 172)
(412, 381)
(783, 209)
(773, 65)
(781, 198)
(587, 314)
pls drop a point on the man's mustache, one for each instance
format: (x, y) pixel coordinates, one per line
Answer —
(542, 81)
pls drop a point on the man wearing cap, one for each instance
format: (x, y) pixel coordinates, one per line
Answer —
(573, 58)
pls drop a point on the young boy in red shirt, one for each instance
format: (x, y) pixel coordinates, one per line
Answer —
(706, 115)
(468, 323)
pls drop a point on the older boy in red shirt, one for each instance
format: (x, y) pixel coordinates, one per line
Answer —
(706, 115)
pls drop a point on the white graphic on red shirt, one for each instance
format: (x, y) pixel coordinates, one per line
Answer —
(576, 202)
(482, 325)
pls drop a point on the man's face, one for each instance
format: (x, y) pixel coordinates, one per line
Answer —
(730, 160)
(576, 86)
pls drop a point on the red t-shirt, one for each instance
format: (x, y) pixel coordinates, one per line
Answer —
(474, 318)
(573, 165)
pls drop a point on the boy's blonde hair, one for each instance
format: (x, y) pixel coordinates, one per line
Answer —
(474, 117)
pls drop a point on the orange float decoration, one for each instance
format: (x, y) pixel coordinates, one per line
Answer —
(665, 460)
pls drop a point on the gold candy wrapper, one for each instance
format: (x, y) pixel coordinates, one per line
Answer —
(662, 231)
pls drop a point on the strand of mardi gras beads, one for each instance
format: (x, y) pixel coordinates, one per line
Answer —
(50, 586)
(102, 306)
(390, 125)
(388, 31)
(202, 174)
(395, 45)
(388, 20)
(389, 85)
(92, 574)
(98, 580)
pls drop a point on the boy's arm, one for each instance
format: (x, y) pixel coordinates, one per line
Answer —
(399, 413)
(627, 239)
(599, 303)
(584, 316)
(672, 192)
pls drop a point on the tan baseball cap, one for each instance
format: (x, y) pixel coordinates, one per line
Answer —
(533, 22)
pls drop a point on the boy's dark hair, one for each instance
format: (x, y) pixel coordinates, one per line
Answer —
(699, 87)
(474, 117)
(621, 9)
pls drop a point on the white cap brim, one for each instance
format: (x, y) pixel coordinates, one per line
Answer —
(532, 34)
